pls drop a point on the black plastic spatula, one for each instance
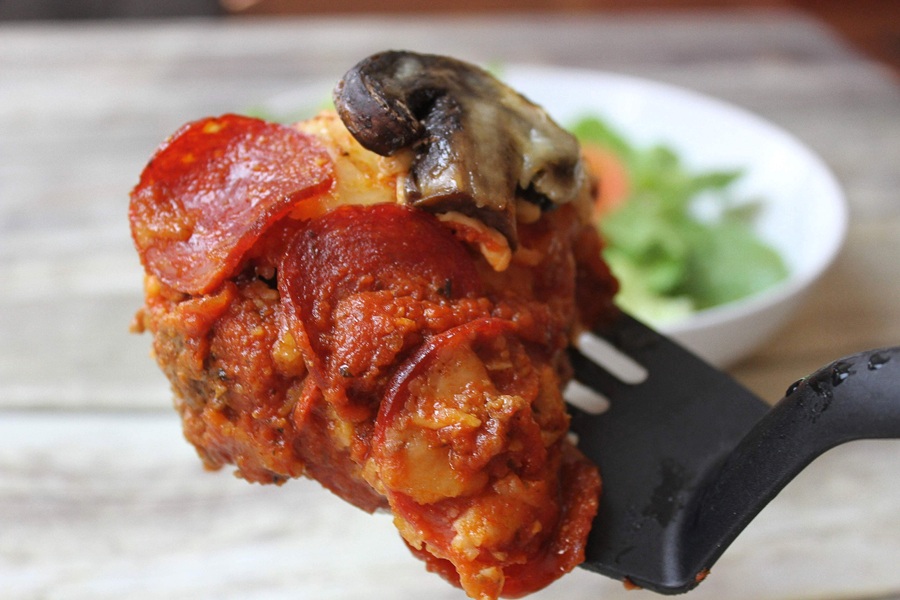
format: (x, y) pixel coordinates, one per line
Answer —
(689, 457)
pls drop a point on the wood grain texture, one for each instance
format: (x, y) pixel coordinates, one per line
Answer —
(99, 495)
(110, 506)
(872, 26)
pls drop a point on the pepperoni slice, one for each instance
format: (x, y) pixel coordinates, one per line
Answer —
(450, 410)
(455, 348)
(490, 493)
(212, 189)
(580, 488)
(404, 258)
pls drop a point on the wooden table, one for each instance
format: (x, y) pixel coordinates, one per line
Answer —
(99, 495)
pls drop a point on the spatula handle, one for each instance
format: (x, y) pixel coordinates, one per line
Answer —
(857, 397)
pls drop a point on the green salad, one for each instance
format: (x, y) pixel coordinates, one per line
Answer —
(672, 258)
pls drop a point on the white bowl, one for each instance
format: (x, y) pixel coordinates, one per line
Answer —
(804, 213)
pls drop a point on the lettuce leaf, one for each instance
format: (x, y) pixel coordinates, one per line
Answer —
(670, 259)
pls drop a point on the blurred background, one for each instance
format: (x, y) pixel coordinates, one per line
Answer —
(872, 26)
(101, 498)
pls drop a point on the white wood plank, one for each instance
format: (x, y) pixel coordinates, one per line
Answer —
(115, 505)
(74, 141)
(96, 506)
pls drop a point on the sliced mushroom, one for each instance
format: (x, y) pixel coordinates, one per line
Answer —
(478, 145)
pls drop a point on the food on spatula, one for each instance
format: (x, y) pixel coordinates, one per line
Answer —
(380, 298)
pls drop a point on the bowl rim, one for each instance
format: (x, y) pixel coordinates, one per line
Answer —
(304, 98)
(831, 192)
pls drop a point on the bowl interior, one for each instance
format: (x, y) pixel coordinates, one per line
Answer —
(804, 213)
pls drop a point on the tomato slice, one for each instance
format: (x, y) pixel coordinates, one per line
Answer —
(213, 188)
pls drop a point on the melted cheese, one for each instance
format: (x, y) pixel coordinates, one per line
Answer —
(360, 176)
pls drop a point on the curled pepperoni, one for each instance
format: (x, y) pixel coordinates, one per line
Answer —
(363, 283)
(212, 189)
(580, 487)
(452, 408)
(475, 464)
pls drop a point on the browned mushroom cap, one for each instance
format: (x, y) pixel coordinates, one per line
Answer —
(478, 145)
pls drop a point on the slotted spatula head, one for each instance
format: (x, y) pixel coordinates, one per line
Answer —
(688, 456)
